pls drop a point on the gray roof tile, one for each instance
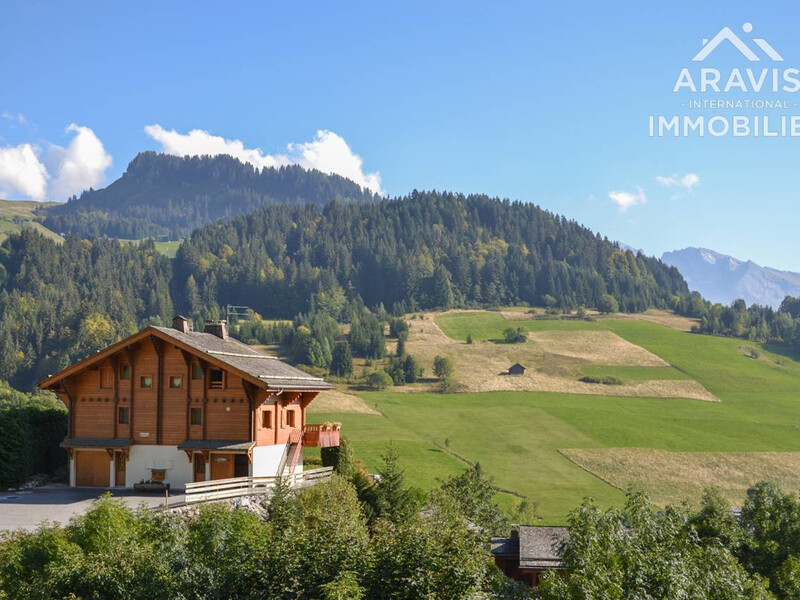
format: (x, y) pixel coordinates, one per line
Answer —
(270, 370)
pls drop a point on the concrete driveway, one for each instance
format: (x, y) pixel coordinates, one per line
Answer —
(28, 508)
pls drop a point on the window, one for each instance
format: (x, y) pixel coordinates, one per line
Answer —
(197, 371)
(290, 418)
(123, 415)
(106, 379)
(266, 419)
(197, 416)
(217, 379)
(175, 382)
(125, 372)
(146, 381)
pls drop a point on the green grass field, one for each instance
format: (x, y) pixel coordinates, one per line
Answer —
(490, 325)
(517, 436)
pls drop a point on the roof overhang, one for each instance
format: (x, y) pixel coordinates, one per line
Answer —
(310, 384)
(218, 445)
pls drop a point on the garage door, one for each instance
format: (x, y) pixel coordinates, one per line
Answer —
(92, 469)
(222, 466)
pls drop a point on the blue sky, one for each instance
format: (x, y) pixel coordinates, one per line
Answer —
(542, 102)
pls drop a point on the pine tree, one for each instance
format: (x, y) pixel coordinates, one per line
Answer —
(342, 359)
(393, 501)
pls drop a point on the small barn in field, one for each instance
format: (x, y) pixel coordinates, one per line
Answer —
(516, 369)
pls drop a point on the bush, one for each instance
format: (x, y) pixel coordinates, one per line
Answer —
(31, 429)
(608, 304)
(379, 380)
(515, 336)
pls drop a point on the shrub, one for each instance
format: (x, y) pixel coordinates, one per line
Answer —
(608, 304)
(515, 336)
(379, 380)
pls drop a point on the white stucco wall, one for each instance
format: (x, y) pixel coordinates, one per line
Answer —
(267, 460)
(145, 457)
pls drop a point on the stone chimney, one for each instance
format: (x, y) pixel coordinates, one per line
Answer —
(217, 328)
(182, 324)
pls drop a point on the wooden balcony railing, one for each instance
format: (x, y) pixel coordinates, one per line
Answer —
(321, 436)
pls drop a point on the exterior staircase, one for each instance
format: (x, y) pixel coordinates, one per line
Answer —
(294, 452)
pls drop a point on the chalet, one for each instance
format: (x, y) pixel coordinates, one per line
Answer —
(516, 369)
(175, 405)
(530, 551)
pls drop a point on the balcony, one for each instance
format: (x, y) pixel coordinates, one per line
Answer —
(321, 436)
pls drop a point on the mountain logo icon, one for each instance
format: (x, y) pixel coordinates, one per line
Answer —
(726, 34)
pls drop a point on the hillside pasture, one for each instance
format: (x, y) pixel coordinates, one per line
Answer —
(555, 358)
(16, 215)
(557, 448)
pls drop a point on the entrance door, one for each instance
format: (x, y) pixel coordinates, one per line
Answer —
(241, 466)
(92, 468)
(199, 467)
(120, 468)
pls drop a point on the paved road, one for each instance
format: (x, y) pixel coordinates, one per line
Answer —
(28, 508)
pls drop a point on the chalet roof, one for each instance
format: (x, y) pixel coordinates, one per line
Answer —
(517, 365)
(215, 445)
(540, 546)
(269, 371)
(96, 443)
(505, 546)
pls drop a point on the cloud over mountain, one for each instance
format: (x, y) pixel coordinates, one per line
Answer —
(328, 153)
(57, 172)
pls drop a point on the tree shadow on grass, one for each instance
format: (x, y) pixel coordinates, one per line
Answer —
(782, 350)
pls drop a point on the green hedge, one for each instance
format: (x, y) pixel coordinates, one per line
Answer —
(31, 428)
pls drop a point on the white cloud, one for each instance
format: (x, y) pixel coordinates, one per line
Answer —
(328, 152)
(686, 182)
(21, 172)
(57, 173)
(80, 165)
(18, 118)
(624, 200)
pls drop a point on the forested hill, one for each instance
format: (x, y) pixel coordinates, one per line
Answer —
(59, 302)
(425, 250)
(165, 196)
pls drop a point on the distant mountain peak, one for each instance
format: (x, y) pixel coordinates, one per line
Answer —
(722, 278)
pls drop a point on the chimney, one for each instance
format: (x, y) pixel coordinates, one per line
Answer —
(182, 324)
(217, 328)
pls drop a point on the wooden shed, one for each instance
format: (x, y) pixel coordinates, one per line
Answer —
(516, 369)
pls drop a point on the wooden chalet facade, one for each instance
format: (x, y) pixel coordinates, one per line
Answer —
(178, 406)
